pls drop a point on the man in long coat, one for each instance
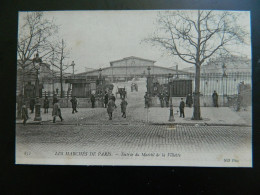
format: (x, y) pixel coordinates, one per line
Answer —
(166, 98)
(74, 103)
(123, 107)
(46, 104)
(92, 99)
(110, 108)
(161, 97)
(25, 116)
(56, 111)
(189, 100)
(215, 99)
(182, 105)
(106, 99)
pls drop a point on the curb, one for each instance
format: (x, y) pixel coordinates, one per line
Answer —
(142, 124)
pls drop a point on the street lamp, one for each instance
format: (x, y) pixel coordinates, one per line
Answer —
(224, 75)
(171, 117)
(37, 65)
(148, 80)
(73, 64)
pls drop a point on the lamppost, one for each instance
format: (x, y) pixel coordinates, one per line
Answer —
(224, 75)
(37, 65)
(171, 117)
(72, 64)
(148, 79)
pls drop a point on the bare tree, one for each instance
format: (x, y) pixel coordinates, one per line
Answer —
(60, 53)
(195, 37)
(34, 35)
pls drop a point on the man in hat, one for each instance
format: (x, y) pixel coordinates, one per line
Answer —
(56, 111)
(182, 105)
(161, 97)
(110, 108)
(25, 115)
(106, 99)
(74, 103)
(46, 104)
(93, 99)
(215, 99)
(123, 107)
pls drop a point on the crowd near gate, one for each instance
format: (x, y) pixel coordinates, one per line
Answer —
(180, 85)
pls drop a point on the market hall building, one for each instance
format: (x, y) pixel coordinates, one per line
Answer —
(83, 84)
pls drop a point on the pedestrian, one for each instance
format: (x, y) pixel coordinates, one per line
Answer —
(239, 102)
(19, 106)
(110, 108)
(123, 107)
(46, 104)
(215, 99)
(189, 100)
(166, 98)
(106, 99)
(124, 93)
(92, 99)
(182, 105)
(55, 99)
(25, 116)
(146, 100)
(32, 104)
(161, 99)
(74, 103)
(56, 111)
(113, 97)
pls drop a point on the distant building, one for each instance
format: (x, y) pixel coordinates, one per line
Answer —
(49, 80)
(127, 69)
(223, 74)
(233, 64)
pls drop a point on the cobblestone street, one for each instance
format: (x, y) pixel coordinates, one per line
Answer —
(181, 145)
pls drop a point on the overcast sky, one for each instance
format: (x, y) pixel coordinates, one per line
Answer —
(98, 37)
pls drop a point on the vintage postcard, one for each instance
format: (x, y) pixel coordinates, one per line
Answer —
(146, 87)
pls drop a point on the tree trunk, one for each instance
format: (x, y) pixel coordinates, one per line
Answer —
(61, 86)
(196, 110)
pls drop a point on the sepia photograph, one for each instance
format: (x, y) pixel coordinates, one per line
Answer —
(134, 87)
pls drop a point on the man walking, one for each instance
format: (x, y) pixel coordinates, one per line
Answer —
(74, 103)
(24, 113)
(215, 99)
(56, 111)
(106, 99)
(123, 107)
(110, 108)
(46, 104)
(93, 99)
(182, 105)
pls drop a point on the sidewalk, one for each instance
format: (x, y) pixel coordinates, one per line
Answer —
(210, 116)
(140, 115)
